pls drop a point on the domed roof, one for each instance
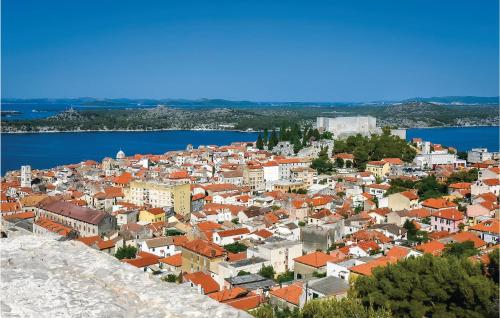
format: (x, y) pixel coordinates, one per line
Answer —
(120, 154)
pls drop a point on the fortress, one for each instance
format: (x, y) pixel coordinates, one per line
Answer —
(342, 127)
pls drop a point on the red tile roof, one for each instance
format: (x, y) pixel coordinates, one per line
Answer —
(319, 259)
(433, 247)
(72, 211)
(205, 248)
(489, 226)
(174, 260)
(53, 226)
(367, 268)
(449, 214)
(438, 203)
(233, 232)
(289, 293)
(206, 282)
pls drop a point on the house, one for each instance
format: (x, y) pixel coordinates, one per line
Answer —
(435, 204)
(405, 200)
(447, 220)
(377, 190)
(326, 287)
(152, 215)
(432, 247)
(164, 246)
(286, 297)
(367, 268)
(401, 252)
(145, 261)
(237, 297)
(203, 282)
(390, 230)
(251, 265)
(379, 215)
(253, 282)
(87, 222)
(200, 255)
(280, 252)
(379, 168)
(479, 210)
(489, 231)
(462, 237)
(398, 217)
(486, 185)
(171, 264)
(230, 236)
(308, 265)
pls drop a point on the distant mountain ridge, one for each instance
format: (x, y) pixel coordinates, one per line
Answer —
(206, 102)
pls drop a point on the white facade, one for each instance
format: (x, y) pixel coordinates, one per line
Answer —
(280, 254)
(346, 126)
(478, 155)
(26, 176)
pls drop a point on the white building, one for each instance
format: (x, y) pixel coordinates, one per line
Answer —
(280, 252)
(347, 126)
(478, 155)
(436, 158)
(26, 176)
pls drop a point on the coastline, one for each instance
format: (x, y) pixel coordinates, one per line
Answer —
(125, 130)
(200, 129)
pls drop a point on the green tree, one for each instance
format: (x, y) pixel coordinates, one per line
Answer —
(273, 140)
(348, 307)
(339, 162)
(348, 164)
(235, 247)
(243, 273)
(430, 286)
(267, 272)
(287, 276)
(322, 164)
(266, 136)
(260, 143)
(126, 251)
(413, 234)
(171, 278)
(464, 249)
(492, 267)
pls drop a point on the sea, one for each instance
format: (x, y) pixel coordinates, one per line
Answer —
(47, 150)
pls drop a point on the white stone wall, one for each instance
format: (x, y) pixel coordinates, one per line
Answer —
(42, 277)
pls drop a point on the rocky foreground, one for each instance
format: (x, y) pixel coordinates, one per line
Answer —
(42, 277)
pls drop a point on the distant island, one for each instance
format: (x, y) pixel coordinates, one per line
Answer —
(219, 114)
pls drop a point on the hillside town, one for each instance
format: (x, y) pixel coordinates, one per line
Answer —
(266, 222)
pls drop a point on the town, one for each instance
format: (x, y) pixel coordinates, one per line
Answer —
(303, 214)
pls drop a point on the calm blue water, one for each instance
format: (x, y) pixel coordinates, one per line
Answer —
(51, 149)
(462, 138)
(48, 150)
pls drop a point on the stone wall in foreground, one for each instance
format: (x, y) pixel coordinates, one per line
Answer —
(42, 277)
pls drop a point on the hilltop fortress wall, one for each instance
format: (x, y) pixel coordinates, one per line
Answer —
(342, 127)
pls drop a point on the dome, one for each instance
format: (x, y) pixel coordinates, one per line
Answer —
(120, 154)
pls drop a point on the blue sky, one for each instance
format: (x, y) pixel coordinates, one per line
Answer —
(250, 50)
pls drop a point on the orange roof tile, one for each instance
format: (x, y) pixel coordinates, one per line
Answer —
(205, 248)
(433, 247)
(174, 260)
(489, 226)
(449, 214)
(318, 259)
(206, 282)
(289, 293)
(468, 236)
(367, 268)
(438, 203)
